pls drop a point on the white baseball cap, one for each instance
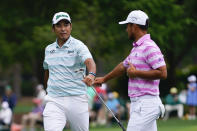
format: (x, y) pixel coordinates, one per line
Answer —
(136, 17)
(192, 78)
(60, 16)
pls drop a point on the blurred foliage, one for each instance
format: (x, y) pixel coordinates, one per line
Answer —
(25, 31)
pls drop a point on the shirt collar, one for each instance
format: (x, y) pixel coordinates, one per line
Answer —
(66, 44)
(141, 40)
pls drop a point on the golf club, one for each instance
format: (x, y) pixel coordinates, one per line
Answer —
(101, 99)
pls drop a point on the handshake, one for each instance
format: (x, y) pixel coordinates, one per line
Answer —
(91, 80)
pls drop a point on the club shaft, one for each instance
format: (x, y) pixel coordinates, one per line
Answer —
(101, 99)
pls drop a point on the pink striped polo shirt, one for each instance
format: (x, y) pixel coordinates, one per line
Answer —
(145, 56)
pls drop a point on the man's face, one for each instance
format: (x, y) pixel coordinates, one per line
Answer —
(130, 30)
(8, 92)
(62, 30)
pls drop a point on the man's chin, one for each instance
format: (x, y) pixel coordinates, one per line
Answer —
(64, 38)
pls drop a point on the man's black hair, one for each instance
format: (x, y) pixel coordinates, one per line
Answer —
(144, 27)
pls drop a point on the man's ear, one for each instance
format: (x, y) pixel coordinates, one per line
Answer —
(70, 26)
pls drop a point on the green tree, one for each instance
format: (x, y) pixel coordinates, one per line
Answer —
(25, 28)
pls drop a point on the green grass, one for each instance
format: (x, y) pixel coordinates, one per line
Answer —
(23, 108)
(172, 124)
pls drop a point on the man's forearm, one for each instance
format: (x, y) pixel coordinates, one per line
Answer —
(116, 72)
(90, 64)
(152, 74)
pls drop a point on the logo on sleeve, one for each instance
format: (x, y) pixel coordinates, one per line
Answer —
(160, 60)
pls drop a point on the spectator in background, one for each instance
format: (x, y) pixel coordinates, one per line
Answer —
(40, 92)
(5, 116)
(98, 105)
(101, 90)
(173, 104)
(33, 116)
(115, 107)
(183, 96)
(121, 108)
(192, 97)
(10, 97)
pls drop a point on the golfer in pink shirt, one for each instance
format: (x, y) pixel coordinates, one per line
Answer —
(145, 66)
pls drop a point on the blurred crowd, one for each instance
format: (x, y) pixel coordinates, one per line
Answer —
(8, 104)
(187, 98)
(29, 120)
(176, 101)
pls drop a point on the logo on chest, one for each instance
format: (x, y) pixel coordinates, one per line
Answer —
(70, 51)
(52, 51)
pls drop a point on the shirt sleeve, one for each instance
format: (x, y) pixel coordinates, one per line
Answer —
(84, 52)
(154, 57)
(45, 65)
(127, 60)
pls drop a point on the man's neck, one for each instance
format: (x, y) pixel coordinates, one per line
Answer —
(61, 42)
(139, 35)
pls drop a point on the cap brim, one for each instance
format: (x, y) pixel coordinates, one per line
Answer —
(123, 22)
(60, 20)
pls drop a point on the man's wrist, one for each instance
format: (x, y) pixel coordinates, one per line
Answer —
(92, 73)
(105, 79)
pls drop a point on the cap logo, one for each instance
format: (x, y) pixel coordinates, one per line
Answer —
(58, 16)
(133, 19)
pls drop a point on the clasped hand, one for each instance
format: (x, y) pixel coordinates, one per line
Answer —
(131, 71)
(89, 80)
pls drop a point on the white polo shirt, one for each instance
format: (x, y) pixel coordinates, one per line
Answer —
(62, 62)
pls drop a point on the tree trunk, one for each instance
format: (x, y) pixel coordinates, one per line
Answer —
(17, 79)
(171, 79)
